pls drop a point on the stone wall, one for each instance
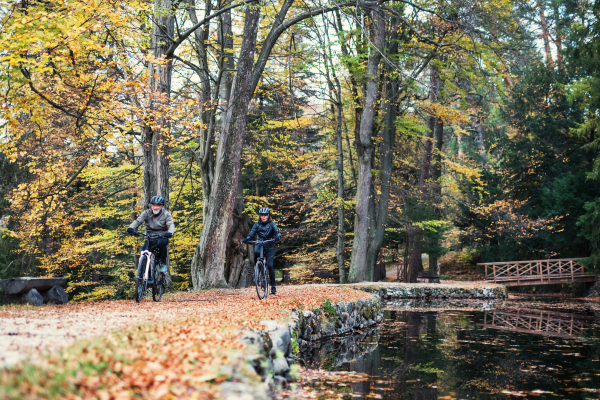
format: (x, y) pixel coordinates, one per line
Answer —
(436, 291)
(272, 352)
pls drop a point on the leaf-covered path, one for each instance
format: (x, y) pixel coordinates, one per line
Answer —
(129, 349)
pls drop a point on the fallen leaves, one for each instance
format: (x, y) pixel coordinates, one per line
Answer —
(185, 347)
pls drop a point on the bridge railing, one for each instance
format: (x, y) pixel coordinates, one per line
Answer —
(535, 269)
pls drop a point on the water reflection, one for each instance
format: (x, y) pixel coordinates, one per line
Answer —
(538, 322)
(457, 354)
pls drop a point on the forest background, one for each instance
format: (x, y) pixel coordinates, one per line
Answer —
(375, 131)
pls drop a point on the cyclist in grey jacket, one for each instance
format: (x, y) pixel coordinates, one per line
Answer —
(159, 222)
(265, 229)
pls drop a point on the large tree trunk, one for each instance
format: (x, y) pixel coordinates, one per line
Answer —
(237, 252)
(155, 132)
(386, 158)
(208, 261)
(364, 144)
(204, 153)
(335, 93)
(416, 233)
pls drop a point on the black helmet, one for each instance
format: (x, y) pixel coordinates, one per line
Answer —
(264, 210)
(157, 200)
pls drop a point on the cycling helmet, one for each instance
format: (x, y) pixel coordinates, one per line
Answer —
(264, 210)
(157, 200)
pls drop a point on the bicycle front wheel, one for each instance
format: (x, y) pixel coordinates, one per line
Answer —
(260, 280)
(140, 283)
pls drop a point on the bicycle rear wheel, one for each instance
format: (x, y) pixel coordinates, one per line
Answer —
(267, 284)
(260, 280)
(140, 283)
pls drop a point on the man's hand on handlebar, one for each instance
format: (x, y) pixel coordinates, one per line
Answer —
(131, 231)
(168, 235)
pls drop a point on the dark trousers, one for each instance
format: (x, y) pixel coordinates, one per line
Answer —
(162, 246)
(269, 254)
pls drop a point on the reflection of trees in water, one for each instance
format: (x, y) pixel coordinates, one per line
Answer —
(423, 355)
(332, 353)
(394, 370)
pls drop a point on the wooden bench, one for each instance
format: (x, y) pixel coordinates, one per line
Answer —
(431, 276)
(35, 291)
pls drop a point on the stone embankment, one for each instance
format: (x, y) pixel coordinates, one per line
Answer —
(272, 351)
(435, 291)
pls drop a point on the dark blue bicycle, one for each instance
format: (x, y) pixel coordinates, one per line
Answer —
(261, 273)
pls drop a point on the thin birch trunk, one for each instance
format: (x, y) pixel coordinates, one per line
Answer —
(436, 175)
(545, 33)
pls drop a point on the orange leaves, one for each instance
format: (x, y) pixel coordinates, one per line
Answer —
(186, 348)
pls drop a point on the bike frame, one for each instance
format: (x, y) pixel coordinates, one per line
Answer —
(150, 276)
(148, 253)
(261, 258)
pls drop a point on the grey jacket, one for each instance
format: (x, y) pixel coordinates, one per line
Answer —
(156, 224)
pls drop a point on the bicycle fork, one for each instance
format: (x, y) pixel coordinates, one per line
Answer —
(148, 255)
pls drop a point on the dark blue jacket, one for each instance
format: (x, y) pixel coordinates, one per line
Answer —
(265, 231)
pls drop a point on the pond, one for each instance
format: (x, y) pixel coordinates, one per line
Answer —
(528, 349)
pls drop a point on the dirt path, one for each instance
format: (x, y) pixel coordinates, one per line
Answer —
(33, 331)
(28, 331)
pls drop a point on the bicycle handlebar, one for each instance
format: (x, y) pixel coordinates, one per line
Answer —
(260, 241)
(148, 235)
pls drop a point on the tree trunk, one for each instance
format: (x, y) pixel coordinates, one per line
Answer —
(96, 255)
(236, 252)
(545, 33)
(208, 261)
(557, 32)
(340, 175)
(435, 177)
(204, 153)
(336, 90)
(478, 132)
(286, 272)
(364, 144)
(386, 160)
(416, 234)
(155, 133)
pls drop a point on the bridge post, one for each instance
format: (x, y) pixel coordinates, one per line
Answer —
(572, 277)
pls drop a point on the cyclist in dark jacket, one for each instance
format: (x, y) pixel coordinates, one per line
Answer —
(160, 222)
(265, 229)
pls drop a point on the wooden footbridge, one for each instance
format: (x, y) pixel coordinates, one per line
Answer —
(538, 322)
(537, 272)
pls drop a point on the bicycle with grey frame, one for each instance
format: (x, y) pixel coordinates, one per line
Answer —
(147, 273)
(261, 273)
